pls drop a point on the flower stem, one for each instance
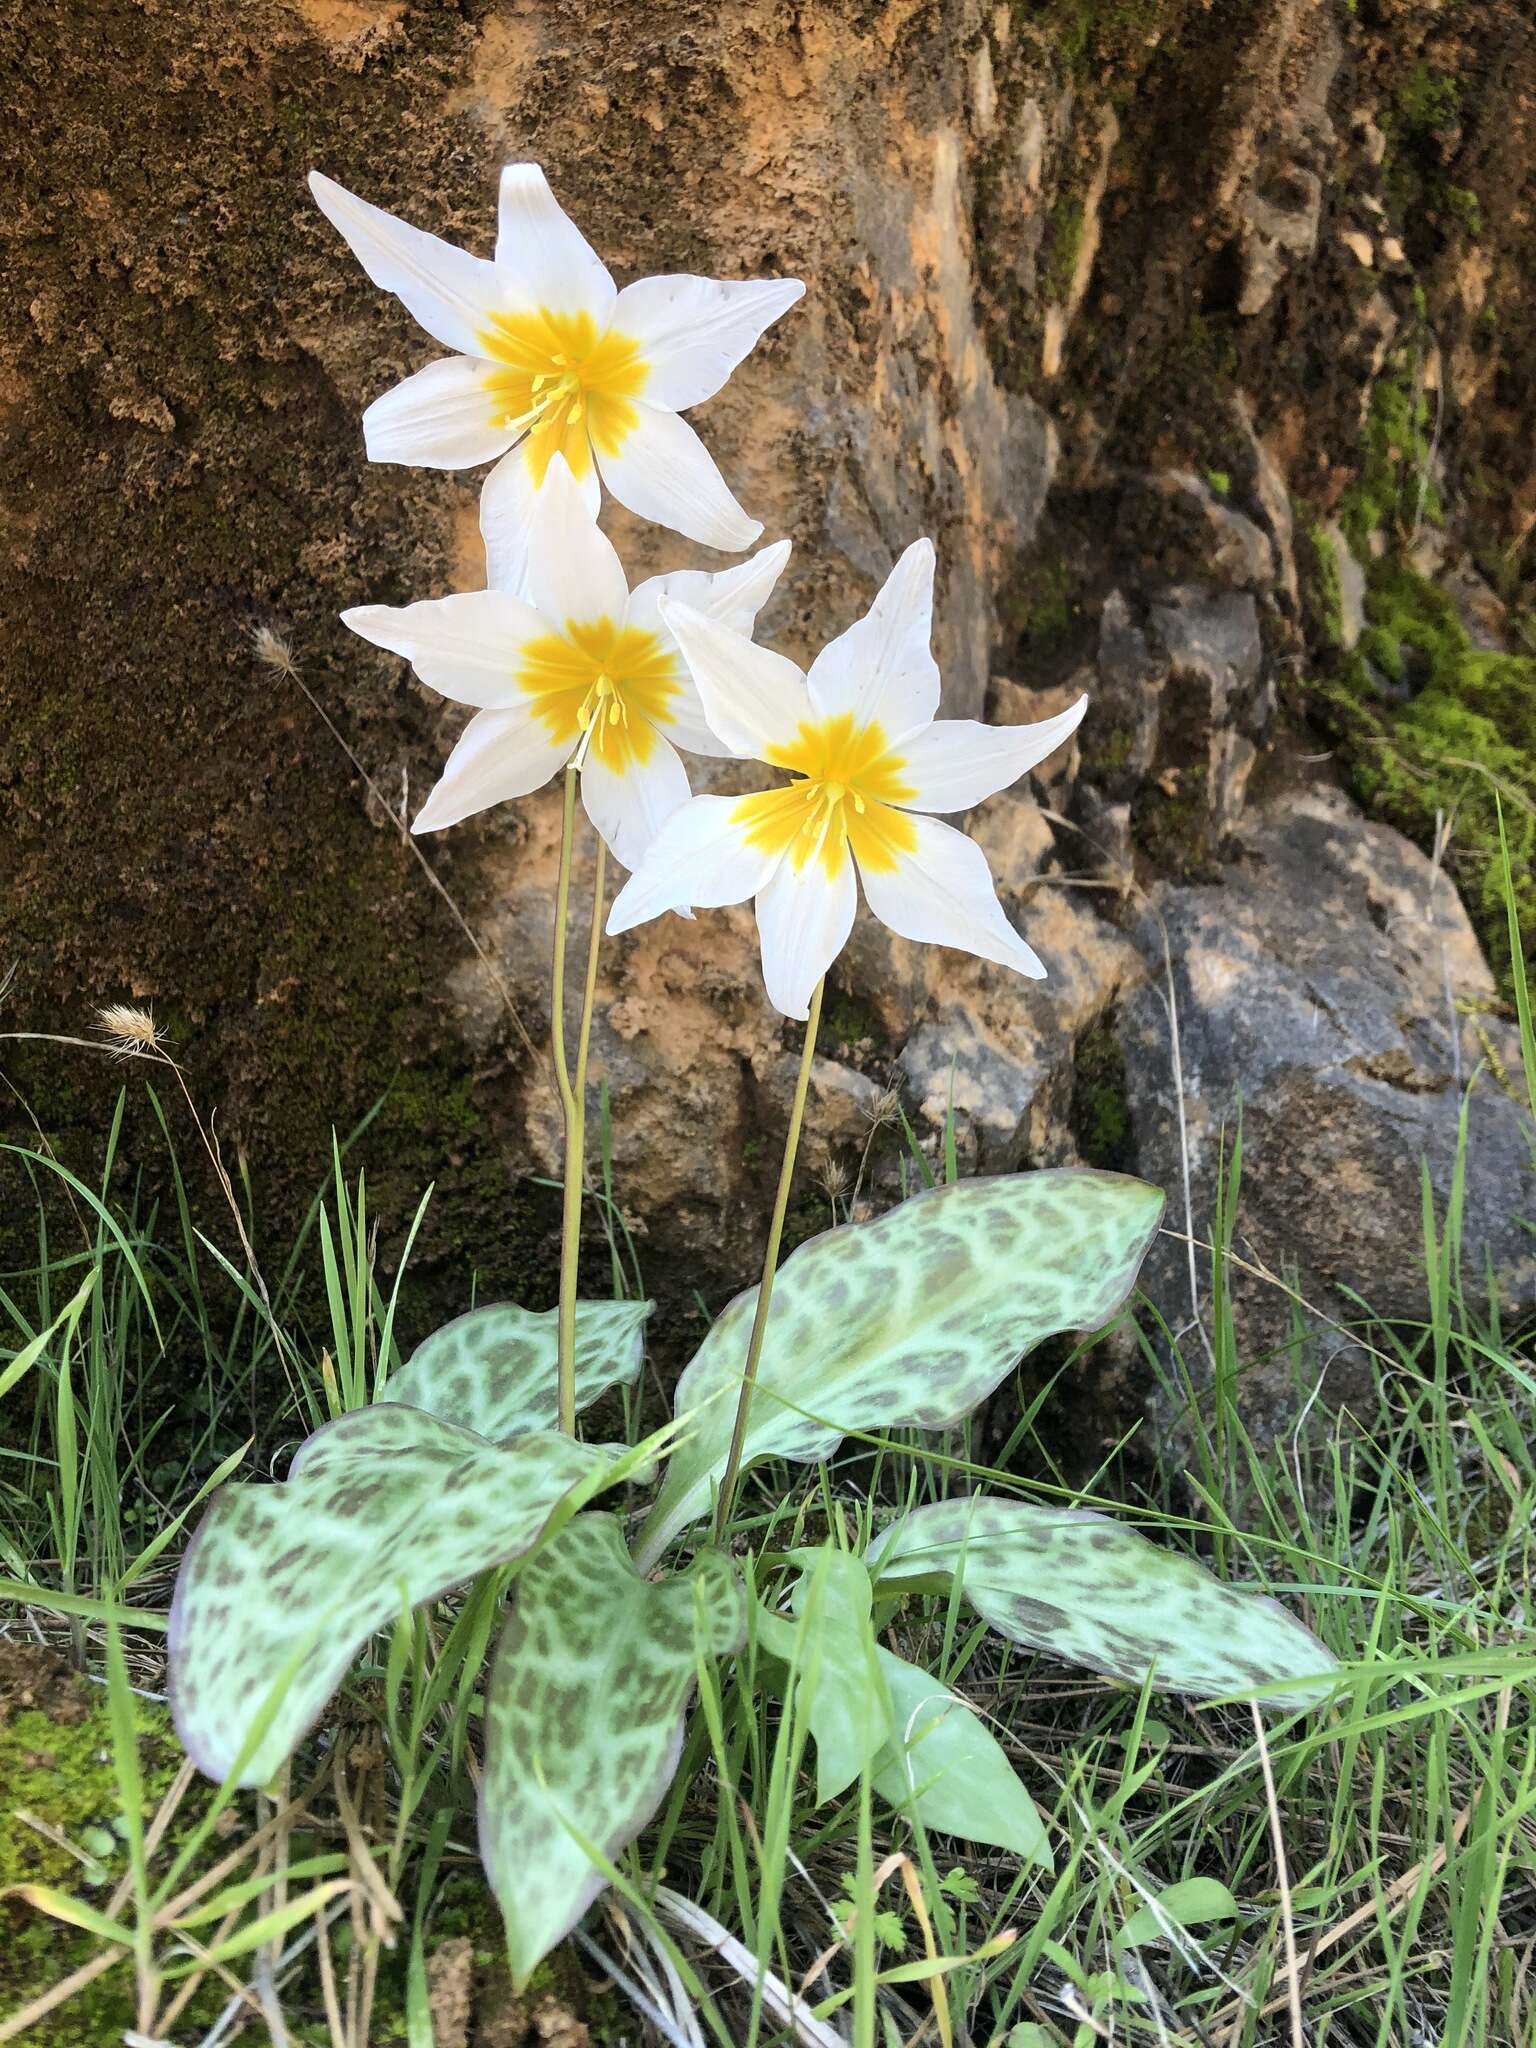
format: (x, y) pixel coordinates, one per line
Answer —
(573, 1092)
(726, 1499)
(562, 912)
(575, 1158)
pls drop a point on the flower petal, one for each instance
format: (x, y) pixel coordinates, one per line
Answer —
(572, 573)
(693, 331)
(663, 471)
(500, 755)
(882, 669)
(753, 698)
(957, 762)
(509, 501)
(449, 291)
(941, 894)
(442, 418)
(630, 806)
(545, 258)
(734, 598)
(466, 646)
(700, 858)
(804, 916)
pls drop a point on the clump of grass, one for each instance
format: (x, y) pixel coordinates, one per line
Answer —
(1373, 1868)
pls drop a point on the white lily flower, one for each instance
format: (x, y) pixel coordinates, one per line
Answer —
(576, 659)
(552, 358)
(870, 762)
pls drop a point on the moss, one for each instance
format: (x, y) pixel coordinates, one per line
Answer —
(1423, 126)
(1088, 35)
(1067, 218)
(1394, 491)
(1325, 588)
(1220, 481)
(1427, 102)
(851, 1023)
(1101, 1107)
(56, 1765)
(1467, 730)
(1466, 209)
(1040, 604)
(807, 1216)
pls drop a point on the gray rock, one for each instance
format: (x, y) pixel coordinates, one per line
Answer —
(1273, 498)
(1316, 991)
(1219, 686)
(1127, 703)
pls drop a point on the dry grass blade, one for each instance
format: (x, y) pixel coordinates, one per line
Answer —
(672, 2018)
(785, 2007)
(1283, 1879)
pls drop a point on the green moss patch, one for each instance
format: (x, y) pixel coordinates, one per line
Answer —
(57, 1787)
(1101, 1107)
(1395, 492)
(1461, 742)
(1324, 587)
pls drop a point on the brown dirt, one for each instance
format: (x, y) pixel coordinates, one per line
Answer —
(34, 1678)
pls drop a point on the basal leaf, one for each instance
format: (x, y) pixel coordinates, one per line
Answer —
(1094, 1591)
(839, 1684)
(945, 1769)
(494, 1370)
(1193, 1902)
(383, 1508)
(584, 1719)
(906, 1322)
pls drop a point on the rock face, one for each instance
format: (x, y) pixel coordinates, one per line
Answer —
(1129, 303)
(1331, 998)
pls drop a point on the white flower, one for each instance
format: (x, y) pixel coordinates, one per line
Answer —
(869, 761)
(576, 656)
(550, 357)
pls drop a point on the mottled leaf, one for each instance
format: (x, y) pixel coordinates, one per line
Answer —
(584, 1719)
(494, 1370)
(945, 1769)
(1094, 1591)
(906, 1322)
(383, 1508)
(839, 1685)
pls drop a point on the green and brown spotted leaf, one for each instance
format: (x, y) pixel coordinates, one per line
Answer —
(383, 1508)
(584, 1719)
(1083, 1587)
(906, 1322)
(494, 1370)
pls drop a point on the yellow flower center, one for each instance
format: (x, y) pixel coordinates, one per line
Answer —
(565, 383)
(610, 686)
(847, 782)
